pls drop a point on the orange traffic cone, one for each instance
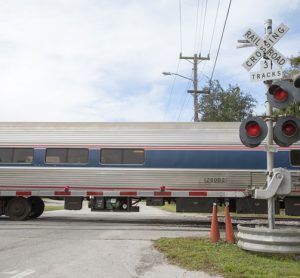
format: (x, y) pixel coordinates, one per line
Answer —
(228, 226)
(214, 229)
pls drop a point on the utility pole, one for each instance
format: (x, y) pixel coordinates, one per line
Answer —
(195, 60)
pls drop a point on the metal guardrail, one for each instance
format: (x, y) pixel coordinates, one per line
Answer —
(262, 239)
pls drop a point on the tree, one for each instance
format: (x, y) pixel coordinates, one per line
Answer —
(295, 62)
(230, 105)
(294, 108)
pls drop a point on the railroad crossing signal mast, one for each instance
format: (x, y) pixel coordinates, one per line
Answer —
(280, 94)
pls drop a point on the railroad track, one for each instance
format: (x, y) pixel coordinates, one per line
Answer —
(281, 221)
(296, 219)
(203, 221)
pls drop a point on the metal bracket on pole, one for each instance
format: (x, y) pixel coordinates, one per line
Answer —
(280, 184)
(271, 148)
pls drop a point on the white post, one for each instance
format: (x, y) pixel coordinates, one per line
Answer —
(270, 154)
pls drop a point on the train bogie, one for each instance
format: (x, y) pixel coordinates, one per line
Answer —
(21, 208)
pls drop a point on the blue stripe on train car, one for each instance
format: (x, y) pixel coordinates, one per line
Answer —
(282, 159)
(193, 159)
(215, 159)
(206, 159)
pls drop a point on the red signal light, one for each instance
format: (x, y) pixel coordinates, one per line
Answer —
(286, 131)
(253, 129)
(280, 95)
(289, 128)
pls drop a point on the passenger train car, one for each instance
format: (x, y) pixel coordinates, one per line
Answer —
(115, 165)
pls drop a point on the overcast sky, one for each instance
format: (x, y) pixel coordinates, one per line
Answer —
(101, 60)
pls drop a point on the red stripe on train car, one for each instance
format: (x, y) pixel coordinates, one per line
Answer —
(162, 193)
(62, 193)
(128, 193)
(92, 193)
(201, 193)
(23, 193)
(128, 188)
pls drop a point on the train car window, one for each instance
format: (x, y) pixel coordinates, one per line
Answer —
(56, 156)
(6, 155)
(295, 157)
(16, 155)
(111, 156)
(131, 156)
(23, 155)
(122, 156)
(64, 155)
(78, 155)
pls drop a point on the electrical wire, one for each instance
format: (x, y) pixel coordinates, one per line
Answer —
(196, 29)
(180, 26)
(201, 76)
(203, 26)
(212, 74)
(172, 89)
(184, 102)
(175, 76)
(214, 28)
(212, 37)
(187, 103)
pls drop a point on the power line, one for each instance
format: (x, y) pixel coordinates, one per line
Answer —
(195, 60)
(175, 76)
(172, 89)
(184, 102)
(212, 37)
(180, 26)
(203, 26)
(200, 28)
(214, 28)
(212, 74)
(196, 29)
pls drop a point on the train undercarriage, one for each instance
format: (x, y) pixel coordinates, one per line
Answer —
(21, 208)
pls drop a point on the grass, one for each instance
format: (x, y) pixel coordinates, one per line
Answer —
(51, 208)
(169, 207)
(225, 259)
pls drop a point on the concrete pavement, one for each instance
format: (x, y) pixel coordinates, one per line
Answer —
(91, 244)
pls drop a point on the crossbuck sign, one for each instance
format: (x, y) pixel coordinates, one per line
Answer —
(265, 47)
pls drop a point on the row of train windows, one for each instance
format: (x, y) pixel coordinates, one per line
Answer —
(73, 155)
(81, 156)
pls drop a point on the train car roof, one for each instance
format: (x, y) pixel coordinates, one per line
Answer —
(158, 125)
(120, 133)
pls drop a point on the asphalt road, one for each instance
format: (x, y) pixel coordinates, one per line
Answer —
(93, 244)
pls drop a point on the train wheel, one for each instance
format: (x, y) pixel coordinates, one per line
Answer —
(18, 208)
(37, 206)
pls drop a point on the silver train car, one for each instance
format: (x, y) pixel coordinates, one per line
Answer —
(115, 165)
